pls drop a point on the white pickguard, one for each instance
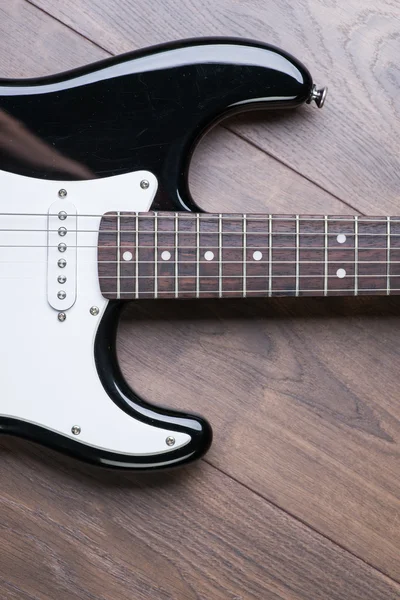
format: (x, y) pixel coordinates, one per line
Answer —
(48, 374)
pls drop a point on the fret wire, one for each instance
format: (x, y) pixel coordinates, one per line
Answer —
(244, 255)
(119, 256)
(270, 255)
(198, 255)
(155, 256)
(355, 255)
(220, 255)
(297, 254)
(137, 256)
(388, 258)
(326, 256)
(176, 255)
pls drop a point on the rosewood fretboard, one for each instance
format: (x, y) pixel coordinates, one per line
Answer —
(187, 255)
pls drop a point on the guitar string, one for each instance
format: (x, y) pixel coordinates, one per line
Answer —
(185, 232)
(238, 219)
(253, 262)
(209, 246)
(277, 234)
(211, 262)
(347, 291)
(193, 293)
(194, 247)
(239, 276)
(189, 216)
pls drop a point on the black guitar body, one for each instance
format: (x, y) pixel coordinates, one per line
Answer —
(145, 110)
(148, 109)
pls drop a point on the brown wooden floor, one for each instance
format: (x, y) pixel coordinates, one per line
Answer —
(299, 497)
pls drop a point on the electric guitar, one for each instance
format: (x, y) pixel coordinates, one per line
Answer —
(95, 210)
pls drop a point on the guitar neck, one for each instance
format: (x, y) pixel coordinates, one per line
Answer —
(190, 255)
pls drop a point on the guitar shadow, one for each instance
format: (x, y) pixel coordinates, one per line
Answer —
(263, 308)
(19, 456)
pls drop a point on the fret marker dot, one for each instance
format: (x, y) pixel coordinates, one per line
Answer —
(257, 255)
(127, 255)
(341, 238)
(165, 255)
(341, 273)
(209, 255)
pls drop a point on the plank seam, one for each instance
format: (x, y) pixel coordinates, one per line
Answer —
(32, 3)
(282, 162)
(297, 519)
(342, 547)
(228, 128)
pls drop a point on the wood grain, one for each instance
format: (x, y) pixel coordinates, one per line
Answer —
(303, 395)
(351, 148)
(305, 410)
(213, 255)
(192, 534)
(32, 43)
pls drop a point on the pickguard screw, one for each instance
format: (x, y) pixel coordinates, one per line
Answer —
(144, 184)
(170, 441)
(62, 263)
(62, 215)
(62, 193)
(61, 295)
(61, 317)
(75, 429)
(62, 231)
(62, 247)
(94, 310)
(61, 279)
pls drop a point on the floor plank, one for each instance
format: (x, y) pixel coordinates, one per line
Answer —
(352, 147)
(33, 44)
(195, 534)
(305, 409)
(229, 175)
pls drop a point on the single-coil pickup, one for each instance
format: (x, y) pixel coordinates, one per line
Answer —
(62, 255)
